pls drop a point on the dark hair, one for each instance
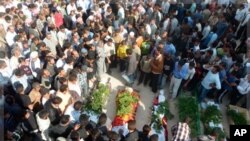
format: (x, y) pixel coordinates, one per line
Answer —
(21, 59)
(56, 100)
(146, 129)
(74, 136)
(181, 62)
(217, 68)
(154, 137)
(83, 119)
(19, 88)
(44, 91)
(78, 105)
(102, 119)
(131, 125)
(69, 60)
(19, 72)
(113, 136)
(192, 64)
(62, 80)
(72, 77)
(63, 88)
(43, 113)
(2, 54)
(65, 119)
(129, 51)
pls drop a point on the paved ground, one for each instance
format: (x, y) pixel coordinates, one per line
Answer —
(143, 115)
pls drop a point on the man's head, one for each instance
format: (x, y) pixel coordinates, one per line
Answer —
(102, 119)
(131, 125)
(36, 86)
(215, 69)
(78, 105)
(55, 101)
(65, 119)
(84, 119)
(191, 65)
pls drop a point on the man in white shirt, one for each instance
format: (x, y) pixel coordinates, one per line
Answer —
(71, 7)
(20, 78)
(121, 13)
(74, 111)
(206, 30)
(165, 7)
(61, 35)
(211, 81)
(241, 90)
(50, 43)
(10, 35)
(84, 4)
(190, 74)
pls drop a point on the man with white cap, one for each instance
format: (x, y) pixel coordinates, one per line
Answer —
(35, 63)
(50, 43)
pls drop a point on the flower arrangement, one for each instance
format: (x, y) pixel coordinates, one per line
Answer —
(159, 114)
(98, 99)
(127, 103)
(212, 119)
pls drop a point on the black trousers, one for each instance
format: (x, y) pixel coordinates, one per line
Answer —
(144, 77)
(154, 82)
(235, 96)
(123, 65)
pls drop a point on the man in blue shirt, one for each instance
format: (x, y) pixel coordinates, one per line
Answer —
(179, 73)
(169, 48)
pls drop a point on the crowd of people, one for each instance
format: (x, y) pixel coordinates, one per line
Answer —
(53, 51)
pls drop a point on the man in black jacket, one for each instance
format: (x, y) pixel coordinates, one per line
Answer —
(52, 106)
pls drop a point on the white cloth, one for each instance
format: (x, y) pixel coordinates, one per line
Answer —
(109, 50)
(206, 31)
(244, 86)
(51, 44)
(22, 80)
(37, 65)
(65, 99)
(83, 4)
(59, 63)
(70, 8)
(223, 2)
(124, 128)
(165, 7)
(74, 115)
(121, 13)
(190, 73)
(61, 37)
(246, 19)
(10, 38)
(240, 13)
(211, 78)
(174, 86)
(75, 87)
(14, 63)
(43, 125)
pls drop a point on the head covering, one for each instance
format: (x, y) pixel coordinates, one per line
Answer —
(84, 51)
(34, 54)
(84, 68)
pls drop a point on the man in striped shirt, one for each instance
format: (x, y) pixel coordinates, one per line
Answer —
(181, 131)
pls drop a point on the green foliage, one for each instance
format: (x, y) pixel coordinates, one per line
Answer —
(220, 134)
(125, 103)
(98, 99)
(163, 108)
(188, 107)
(212, 114)
(238, 118)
